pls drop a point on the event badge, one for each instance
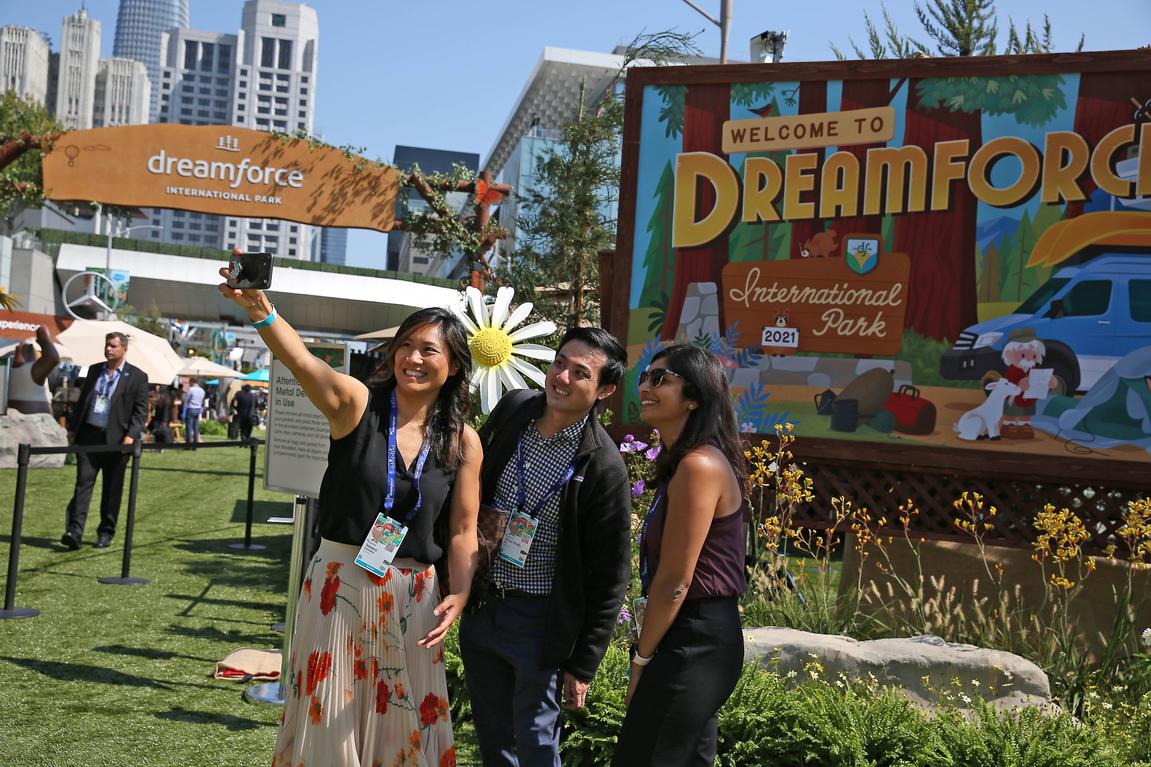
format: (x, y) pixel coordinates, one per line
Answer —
(381, 545)
(518, 537)
(101, 405)
(638, 611)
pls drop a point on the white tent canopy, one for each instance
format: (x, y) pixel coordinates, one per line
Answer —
(152, 354)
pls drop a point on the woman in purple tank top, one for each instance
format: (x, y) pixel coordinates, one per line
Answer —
(689, 653)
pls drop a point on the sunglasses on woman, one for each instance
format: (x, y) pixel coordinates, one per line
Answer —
(657, 376)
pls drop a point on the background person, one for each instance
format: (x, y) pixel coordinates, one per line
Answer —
(246, 415)
(193, 409)
(161, 419)
(371, 678)
(689, 652)
(543, 627)
(112, 410)
(28, 386)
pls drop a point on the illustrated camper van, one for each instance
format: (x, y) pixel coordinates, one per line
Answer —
(1089, 314)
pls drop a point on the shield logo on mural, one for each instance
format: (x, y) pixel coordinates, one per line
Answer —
(861, 253)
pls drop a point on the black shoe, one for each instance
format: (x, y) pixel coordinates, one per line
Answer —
(103, 541)
(70, 540)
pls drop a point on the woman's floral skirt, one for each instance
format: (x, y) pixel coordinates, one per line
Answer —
(361, 692)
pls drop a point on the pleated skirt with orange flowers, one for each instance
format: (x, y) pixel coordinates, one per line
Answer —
(361, 692)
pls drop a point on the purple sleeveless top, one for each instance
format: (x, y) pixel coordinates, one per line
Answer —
(719, 572)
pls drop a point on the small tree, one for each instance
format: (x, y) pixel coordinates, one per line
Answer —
(571, 215)
(24, 126)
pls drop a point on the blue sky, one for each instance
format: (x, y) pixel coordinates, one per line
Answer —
(446, 74)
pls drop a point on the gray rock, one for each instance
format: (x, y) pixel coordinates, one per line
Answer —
(921, 666)
(38, 430)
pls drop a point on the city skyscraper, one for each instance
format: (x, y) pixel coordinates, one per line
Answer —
(76, 71)
(122, 90)
(140, 24)
(24, 57)
(261, 78)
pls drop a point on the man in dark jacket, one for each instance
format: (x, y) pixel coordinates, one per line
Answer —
(112, 410)
(244, 404)
(556, 588)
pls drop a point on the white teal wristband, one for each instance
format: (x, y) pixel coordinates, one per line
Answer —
(267, 320)
(639, 660)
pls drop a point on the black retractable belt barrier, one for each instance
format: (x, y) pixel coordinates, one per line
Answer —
(247, 545)
(10, 611)
(126, 578)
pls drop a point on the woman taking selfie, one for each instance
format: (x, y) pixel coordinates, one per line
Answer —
(689, 652)
(367, 682)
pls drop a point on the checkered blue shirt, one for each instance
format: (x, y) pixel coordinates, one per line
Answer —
(545, 462)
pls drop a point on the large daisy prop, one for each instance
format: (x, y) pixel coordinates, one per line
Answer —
(494, 342)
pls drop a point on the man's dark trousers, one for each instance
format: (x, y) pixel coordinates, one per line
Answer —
(515, 703)
(88, 465)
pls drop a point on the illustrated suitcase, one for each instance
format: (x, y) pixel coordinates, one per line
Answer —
(913, 414)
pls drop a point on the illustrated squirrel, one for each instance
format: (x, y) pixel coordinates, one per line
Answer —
(821, 245)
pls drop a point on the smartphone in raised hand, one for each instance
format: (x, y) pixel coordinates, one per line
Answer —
(250, 271)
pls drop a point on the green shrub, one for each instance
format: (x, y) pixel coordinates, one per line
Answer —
(590, 733)
(210, 428)
(1023, 738)
(457, 685)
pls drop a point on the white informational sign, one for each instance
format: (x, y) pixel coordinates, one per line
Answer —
(296, 453)
(774, 335)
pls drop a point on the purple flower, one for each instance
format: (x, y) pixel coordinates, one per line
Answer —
(637, 488)
(652, 452)
(624, 616)
(631, 445)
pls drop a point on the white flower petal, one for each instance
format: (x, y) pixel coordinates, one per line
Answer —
(545, 328)
(489, 390)
(500, 308)
(531, 371)
(478, 373)
(462, 313)
(536, 351)
(478, 307)
(511, 379)
(519, 315)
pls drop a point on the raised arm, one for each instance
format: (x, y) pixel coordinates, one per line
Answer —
(49, 357)
(341, 398)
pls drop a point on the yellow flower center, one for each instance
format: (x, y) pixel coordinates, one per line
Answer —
(491, 347)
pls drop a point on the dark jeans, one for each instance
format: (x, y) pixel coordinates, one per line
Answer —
(88, 465)
(192, 426)
(672, 716)
(515, 703)
(246, 425)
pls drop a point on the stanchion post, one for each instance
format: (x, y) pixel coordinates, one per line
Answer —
(125, 578)
(247, 545)
(273, 692)
(23, 454)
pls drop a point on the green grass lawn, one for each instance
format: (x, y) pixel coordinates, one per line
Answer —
(121, 675)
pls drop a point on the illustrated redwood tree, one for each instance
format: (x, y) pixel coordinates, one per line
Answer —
(942, 295)
(705, 109)
(1106, 101)
(812, 100)
(863, 94)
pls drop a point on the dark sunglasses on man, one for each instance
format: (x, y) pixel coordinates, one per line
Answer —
(656, 376)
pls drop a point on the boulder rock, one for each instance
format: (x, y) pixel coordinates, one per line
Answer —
(922, 667)
(38, 430)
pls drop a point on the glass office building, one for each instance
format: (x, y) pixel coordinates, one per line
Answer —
(139, 26)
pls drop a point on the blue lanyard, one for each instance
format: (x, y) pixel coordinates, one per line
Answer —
(107, 381)
(522, 490)
(644, 575)
(390, 498)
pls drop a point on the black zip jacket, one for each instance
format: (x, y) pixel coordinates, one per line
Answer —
(594, 548)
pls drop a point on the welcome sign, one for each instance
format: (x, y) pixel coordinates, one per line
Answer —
(222, 170)
(955, 223)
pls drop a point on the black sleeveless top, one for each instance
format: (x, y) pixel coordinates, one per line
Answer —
(356, 481)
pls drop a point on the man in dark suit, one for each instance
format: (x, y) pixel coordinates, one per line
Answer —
(245, 403)
(112, 410)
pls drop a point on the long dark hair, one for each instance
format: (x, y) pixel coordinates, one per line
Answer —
(713, 421)
(454, 403)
